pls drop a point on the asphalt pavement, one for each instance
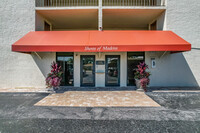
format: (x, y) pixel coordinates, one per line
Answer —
(179, 112)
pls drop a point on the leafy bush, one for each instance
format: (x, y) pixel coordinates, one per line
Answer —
(142, 75)
(55, 76)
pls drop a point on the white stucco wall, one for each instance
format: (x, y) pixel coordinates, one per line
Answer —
(99, 77)
(161, 21)
(171, 70)
(39, 22)
(186, 24)
(181, 69)
(18, 69)
(27, 70)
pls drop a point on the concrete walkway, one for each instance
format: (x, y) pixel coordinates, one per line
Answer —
(98, 99)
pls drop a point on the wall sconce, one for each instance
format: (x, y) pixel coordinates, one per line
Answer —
(100, 29)
(76, 54)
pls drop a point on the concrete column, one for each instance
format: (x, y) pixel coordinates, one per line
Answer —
(100, 22)
(123, 69)
(162, 2)
(100, 77)
(76, 69)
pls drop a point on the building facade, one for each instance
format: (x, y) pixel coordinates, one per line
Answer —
(115, 68)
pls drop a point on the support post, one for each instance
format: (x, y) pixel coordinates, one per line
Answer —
(162, 2)
(38, 55)
(100, 20)
(99, 54)
(163, 54)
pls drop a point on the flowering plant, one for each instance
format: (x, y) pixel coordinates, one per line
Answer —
(54, 77)
(142, 75)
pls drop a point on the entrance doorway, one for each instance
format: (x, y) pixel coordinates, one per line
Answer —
(112, 70)
(134, 58)
(87, 69)
(66, 61)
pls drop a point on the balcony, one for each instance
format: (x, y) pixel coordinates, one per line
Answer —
(105, 3)
(99, 14)
(133, 2)
(66, 3)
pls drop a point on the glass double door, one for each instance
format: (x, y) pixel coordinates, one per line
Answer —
(87, 70)
(112, 70)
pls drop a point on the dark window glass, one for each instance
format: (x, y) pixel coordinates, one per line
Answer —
(46, 26)
(134, 58)
(66, 61)
(112, 70)
(154, 26)
(87, 70)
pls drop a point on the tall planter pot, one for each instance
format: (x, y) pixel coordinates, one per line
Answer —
(52, 89)
(139, 86)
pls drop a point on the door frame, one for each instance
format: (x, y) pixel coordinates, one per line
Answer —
(106, 65)
(127, 66)
(81, 72)
(66, 54)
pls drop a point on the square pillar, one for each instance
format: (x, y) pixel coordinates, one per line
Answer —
(100, 20)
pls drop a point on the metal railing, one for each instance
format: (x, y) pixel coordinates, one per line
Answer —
(70, 3)
(65, 3)
(133, 2)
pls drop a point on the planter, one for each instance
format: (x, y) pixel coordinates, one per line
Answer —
(139, 86)
(52, 89)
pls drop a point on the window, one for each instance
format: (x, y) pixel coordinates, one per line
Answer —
(66, 61)
(133, 59)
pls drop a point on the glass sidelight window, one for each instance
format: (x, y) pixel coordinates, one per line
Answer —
(87, 69)
(134, 58)
(66, 61)
(112, 70)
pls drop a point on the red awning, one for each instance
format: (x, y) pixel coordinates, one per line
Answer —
(100, 41)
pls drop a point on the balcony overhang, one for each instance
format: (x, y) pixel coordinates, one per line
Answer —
(130, 19)
(135, 19)
(71, 19)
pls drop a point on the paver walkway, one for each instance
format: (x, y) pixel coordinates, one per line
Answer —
(98, 99)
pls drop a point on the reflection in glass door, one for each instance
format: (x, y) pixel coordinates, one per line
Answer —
(66, 61)
(134, 58)
(112, 70)
(87, 70)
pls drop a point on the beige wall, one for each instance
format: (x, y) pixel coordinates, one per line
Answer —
(27, 70)
(171, 70)
(180, 69)
(17, 18)
(182, 17)
(19, 70)
(39, 22)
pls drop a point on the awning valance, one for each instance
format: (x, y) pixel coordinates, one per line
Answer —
(100, 41)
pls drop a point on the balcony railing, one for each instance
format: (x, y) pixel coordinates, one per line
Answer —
(65, 3)
(133, 2)
(71, 3)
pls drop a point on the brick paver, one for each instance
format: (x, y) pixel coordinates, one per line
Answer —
(99, 99)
